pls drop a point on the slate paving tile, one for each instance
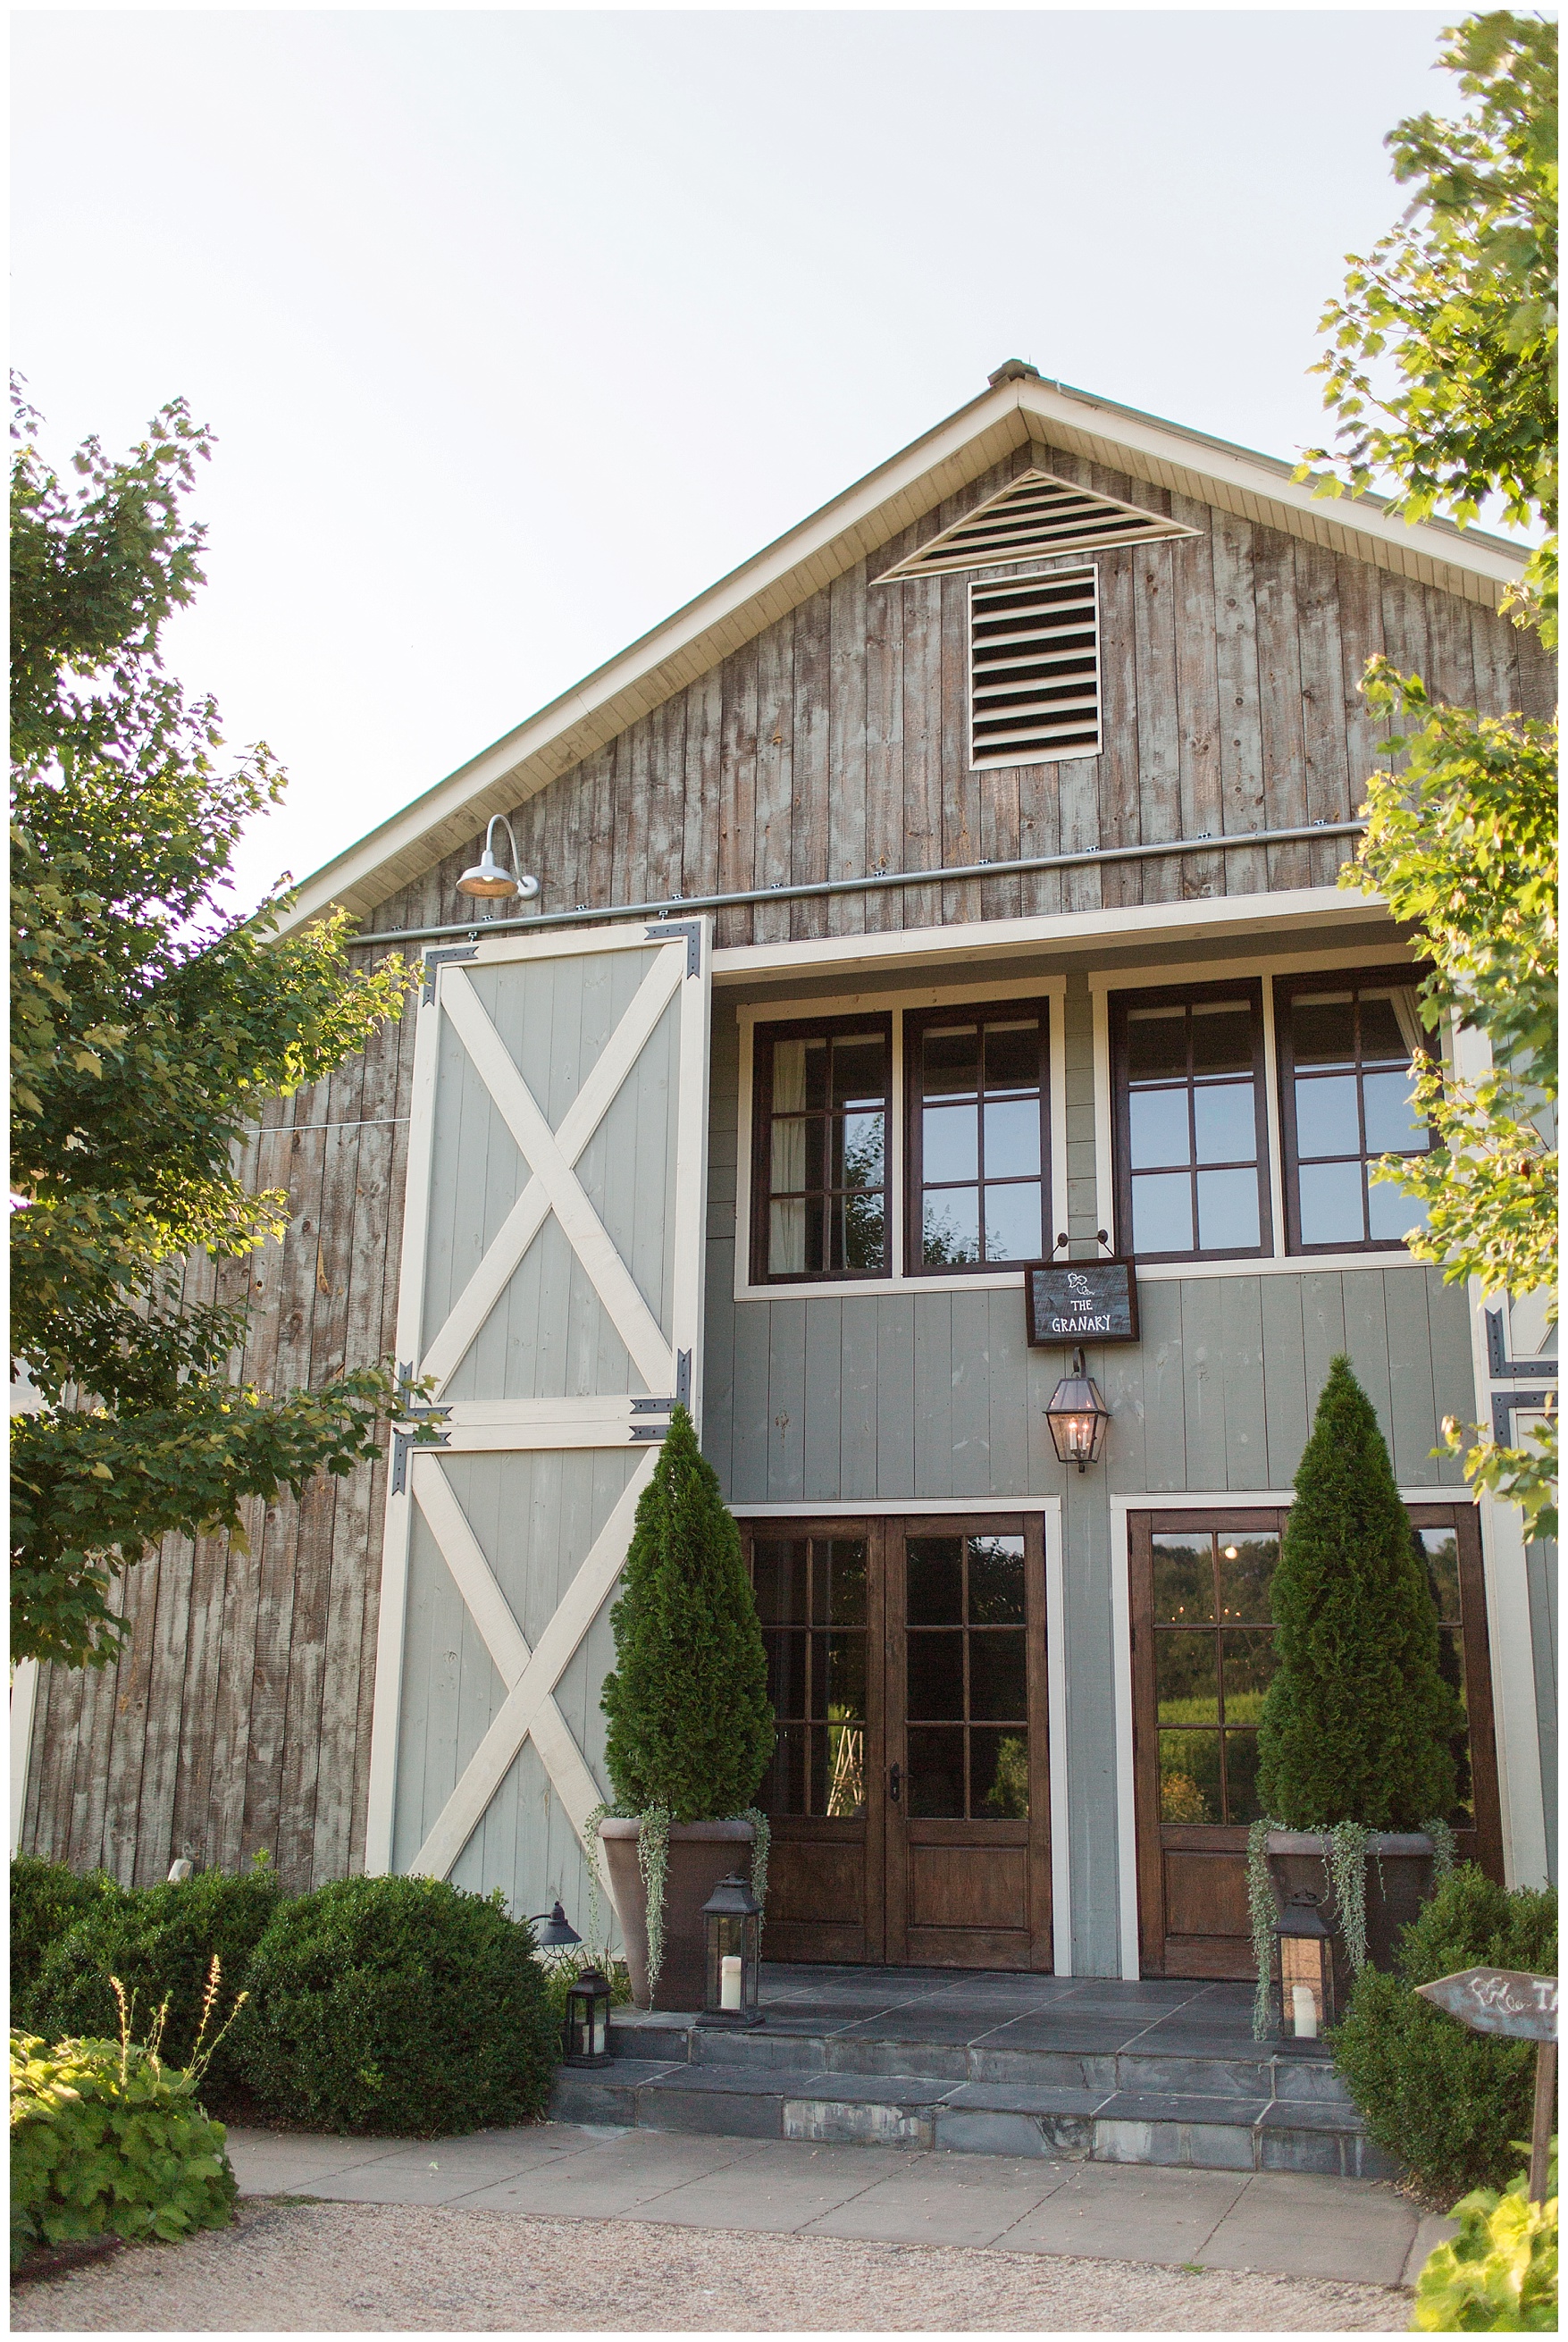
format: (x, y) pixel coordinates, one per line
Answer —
(1306, 2226)
(940, 2206)
(1150, 2107)
(778, 2190)
(1117, 2212)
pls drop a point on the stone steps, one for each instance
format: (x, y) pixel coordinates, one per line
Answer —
(1265, 2112)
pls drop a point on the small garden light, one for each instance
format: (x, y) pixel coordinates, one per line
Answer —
(732, 1920)
(486, 882)
(558, 1931)
(1077, 1417)
(585, 2036)
(1303, 1969)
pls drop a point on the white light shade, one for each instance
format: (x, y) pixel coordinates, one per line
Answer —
(486, 882)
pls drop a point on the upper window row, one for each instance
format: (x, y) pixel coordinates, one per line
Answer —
(1192, 1136)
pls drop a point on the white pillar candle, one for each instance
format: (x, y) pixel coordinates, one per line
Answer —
(1304, 2008)
(730, 1981)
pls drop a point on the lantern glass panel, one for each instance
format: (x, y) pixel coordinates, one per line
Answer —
(1306, 1976)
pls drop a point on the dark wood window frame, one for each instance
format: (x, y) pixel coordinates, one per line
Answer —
(1171, 996)
(763, 1039)
(1285, 989)
(981, 1013)
(1480, 1843)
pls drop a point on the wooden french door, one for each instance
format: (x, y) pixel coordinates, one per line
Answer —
(909, 1790)
(1203, 1655)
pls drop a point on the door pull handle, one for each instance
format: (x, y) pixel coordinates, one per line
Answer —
(893, 1783)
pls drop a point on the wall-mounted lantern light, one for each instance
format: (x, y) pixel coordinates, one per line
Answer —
(1077, 1416)
(486, 882)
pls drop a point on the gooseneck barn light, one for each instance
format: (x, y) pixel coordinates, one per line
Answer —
(1077, 1417)
(486, 882)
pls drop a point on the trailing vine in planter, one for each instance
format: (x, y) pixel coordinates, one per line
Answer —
(653, 1862)
(1344, 1880)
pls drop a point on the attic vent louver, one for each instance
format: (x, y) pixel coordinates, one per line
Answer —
(1034, 669)
(1035, 514)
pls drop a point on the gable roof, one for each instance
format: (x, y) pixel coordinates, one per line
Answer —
(1018, 409)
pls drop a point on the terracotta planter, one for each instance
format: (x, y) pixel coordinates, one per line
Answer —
(1400, 1868)
(701, 1854)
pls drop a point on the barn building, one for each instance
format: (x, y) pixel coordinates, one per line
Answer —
(949, 890)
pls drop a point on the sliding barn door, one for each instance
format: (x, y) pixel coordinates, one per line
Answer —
(552, 1290)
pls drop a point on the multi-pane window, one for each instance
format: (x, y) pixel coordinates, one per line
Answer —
(1214, 1658)
(1440, 1550)
(811, 1597)
(1191, 1132)
(966, 1678)
(822, 1149)
(1345, 1049)
(977, 1091)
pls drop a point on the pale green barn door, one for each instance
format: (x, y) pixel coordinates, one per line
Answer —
(552, 1288)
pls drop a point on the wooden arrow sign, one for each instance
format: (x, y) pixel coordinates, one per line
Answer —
(1510, 2001)
(1498, 2000)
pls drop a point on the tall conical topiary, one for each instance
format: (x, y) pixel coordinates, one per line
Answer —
(1358, 1724)
(691, 1726)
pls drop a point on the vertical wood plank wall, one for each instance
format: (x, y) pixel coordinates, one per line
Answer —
(237, 1717)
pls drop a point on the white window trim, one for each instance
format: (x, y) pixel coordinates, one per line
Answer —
(1103, 981)
(1051, 989)
(1049, 1509)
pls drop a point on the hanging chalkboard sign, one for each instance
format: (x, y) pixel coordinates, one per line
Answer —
(1081, 1301)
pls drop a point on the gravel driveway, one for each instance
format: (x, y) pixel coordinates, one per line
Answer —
(292, 2268)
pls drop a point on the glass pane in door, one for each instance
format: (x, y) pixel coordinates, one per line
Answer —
(811, 1597)
(966, 1678)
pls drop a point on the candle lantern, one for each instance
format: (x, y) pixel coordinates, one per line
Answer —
(1303, 1969)
(1077, 1416)
(585, 2036)
(731, 1921)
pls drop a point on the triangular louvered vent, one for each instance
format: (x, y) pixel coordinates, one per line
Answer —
(1035, 514)
(1034, 669)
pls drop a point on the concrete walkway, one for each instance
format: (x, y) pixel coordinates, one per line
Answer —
(1274, 2223)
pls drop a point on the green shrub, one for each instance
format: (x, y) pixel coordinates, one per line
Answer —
(398, 2006)
(1446, 2102)
(1499, 2274)
(1358, 1725)
(47, 1898)
(160, 1941)
(691, 1727)
(106, 2138)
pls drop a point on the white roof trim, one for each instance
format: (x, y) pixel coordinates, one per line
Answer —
(832, 540)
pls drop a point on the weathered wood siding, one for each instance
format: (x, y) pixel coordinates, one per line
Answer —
(836, 742)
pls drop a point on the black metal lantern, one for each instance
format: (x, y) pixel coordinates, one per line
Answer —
(732, 1922)
(557, 1933)
(586, 2032)
(1303, 1969)
(1077, 1417)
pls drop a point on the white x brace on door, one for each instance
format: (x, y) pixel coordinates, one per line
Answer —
(552, 1289)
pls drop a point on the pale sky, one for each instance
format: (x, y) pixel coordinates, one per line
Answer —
(517, 329)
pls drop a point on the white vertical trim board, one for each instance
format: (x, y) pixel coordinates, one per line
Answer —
(1121, 1695)
(1056, 1735)
(24, 1700)
(391, 1619)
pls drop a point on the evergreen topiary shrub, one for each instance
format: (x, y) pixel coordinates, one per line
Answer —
(400, 2007)
(691, 1726)
(1443, 2101)
(1358, 1724)
(47, 1898)
(160, 1941)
